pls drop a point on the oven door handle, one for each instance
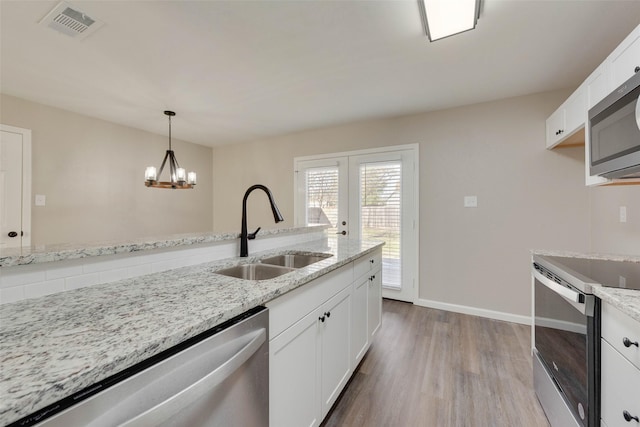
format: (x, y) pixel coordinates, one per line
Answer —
(573, 297)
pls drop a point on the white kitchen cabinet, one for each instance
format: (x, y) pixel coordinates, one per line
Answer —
(620, 368)
(359, 324)
(569, 118)
(597, 85)
(294, 372)
(367, 304)
(335, 336)
(313, 333)
(310, 364)
(625, 59)
(374, 318)
(555, 125)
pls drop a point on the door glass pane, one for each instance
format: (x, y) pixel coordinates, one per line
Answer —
(380, 194)
(321, 185)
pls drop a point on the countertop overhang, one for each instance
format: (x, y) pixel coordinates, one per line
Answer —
(54, 346)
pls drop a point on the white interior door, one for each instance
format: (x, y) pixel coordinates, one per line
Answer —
(372, 195)
(15, 193)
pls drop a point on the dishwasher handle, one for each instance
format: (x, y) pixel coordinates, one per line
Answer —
(183, 398)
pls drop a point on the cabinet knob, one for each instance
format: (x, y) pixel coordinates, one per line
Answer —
(628, 343)
(627, 416)
(371, 261)
(321, 318)
(343, 232)
(636, 69)
(328, 314)
(12, 234)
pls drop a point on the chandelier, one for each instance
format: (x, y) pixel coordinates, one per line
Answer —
(179, 179)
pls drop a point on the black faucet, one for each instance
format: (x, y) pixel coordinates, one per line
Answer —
(244, 236)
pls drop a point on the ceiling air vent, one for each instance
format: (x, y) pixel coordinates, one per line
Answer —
(69, 20)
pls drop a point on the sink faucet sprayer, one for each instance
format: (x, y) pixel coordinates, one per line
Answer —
(244, 236)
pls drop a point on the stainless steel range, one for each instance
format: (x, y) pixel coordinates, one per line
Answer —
(566, 362)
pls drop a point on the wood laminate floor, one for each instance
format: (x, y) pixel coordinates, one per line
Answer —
(435, 368)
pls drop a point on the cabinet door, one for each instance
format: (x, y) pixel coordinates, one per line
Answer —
(555, 127)
(375, 303)
(597, 85)
(336, 356)
(619, 388)
(359, 321)
(575, 114)
(294, 361)
(625, 59)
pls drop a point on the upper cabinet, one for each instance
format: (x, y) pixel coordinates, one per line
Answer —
(625, 60)
(597, 86)
(568, 124)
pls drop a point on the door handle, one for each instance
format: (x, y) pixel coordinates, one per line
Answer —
(343, 232)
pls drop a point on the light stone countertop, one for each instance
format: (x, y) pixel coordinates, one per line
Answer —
(626, 300)
(56, 345)
(33, 255)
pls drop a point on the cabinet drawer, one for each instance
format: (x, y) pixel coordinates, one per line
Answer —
(367, 263)
(619, 388)
(618, 328)
(284, 311)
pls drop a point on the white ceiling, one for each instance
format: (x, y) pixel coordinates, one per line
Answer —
(242, 70)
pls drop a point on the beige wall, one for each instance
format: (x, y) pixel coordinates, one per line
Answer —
(608, 234)
(528, 197)
(92, 174)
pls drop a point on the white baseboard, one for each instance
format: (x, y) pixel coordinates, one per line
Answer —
(474, 311)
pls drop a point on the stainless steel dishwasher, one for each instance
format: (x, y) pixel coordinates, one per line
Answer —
(220, 380)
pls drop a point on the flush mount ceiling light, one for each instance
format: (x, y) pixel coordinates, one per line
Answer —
(444, 18)
(179, 179)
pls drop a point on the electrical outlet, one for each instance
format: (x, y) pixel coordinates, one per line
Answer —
(470, 201)
(623, 214)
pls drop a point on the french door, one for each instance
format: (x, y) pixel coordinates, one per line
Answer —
(369, 195)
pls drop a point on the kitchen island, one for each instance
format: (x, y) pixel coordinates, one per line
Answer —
(59, 344)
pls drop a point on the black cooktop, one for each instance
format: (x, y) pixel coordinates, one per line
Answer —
(613, 274)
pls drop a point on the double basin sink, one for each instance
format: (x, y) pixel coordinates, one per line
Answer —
(274, 266)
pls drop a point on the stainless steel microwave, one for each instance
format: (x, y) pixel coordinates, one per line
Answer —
(614, 132)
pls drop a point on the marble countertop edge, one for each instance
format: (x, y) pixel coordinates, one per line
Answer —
(69, 251)
(586, 255)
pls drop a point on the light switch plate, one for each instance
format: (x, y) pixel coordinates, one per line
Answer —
(470, 201)
(623, 214)
(40, 200)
